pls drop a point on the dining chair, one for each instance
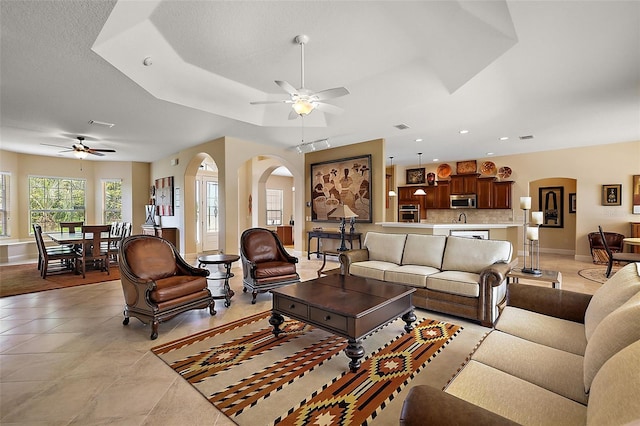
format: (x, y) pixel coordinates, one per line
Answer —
(124, 230)
(47, 255)
(96, 240)
(616, 257)
(71, 227)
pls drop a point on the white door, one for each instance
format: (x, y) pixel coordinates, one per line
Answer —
(207, 213)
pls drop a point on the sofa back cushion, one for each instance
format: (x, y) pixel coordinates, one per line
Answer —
(616, 331)
(424, 250)
(473, 255)
(611, 295)
(615, 391)
(385, 247)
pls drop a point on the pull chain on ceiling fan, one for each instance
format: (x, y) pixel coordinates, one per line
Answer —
(302, 100)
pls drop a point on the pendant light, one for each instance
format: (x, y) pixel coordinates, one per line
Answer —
(420, 191)
(392, 193)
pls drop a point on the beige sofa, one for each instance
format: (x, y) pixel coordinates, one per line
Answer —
(555, 357)
(465, 277)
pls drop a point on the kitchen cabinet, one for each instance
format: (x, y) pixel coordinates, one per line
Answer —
(405, 195)
(484, 198)
(437, 196)
(463, 184)
(502, 194)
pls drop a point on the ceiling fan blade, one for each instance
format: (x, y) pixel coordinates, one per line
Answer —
(287, 87)
(336, 92)
(92, 150)
(293, 115)
(328, 108)
(284, 101)
(57, 146)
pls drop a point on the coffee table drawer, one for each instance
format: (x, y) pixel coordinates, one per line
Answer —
(328, 319)
(288, 306)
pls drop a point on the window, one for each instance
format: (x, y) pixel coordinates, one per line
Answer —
(4, 204)
(111, 200)
(274, 206)
(212, 206)
(54, 200)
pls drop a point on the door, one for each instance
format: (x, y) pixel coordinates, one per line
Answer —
(207, 213)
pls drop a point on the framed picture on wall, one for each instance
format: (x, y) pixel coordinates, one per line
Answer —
(636, 194)
(345, 181)
(164, 196)
(572, 202)
(551, 204)
(611, 195)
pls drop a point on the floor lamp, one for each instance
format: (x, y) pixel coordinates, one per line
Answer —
(531, 237)
(343, 212)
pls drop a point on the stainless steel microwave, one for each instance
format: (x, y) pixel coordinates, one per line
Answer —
(467, 201)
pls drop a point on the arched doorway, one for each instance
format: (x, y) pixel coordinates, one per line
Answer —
(558, 236)
(208, 207)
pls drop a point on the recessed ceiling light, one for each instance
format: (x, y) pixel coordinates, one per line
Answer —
(419, 140)
(504, 138)
(464, 132)
(489, 153)
(101, 123)
(435, 159)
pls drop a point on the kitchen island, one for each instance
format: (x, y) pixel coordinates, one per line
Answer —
(495, 231)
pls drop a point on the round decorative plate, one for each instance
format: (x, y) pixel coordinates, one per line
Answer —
(443, 171)
(504, 172)
(488, 168)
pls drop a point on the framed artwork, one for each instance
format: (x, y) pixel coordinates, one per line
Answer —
(466, 167)
(346, 181)
(164, 196)
(572, 202)
(611, 195)
(416, 175)
(551, 204)
(636, 194)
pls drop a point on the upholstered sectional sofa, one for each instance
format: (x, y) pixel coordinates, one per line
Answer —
(555, 357)
(465, 277)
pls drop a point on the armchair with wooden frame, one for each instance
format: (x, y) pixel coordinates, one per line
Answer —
(598, 252)
(158, 283)
(616, 257)
(265, 263)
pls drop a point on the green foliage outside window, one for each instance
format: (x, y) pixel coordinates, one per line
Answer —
(112, 200)
(55, 200)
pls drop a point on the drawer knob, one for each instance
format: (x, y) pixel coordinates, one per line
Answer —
(327, 318)
(292, 306)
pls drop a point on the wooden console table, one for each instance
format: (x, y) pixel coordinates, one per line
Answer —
(333, 235)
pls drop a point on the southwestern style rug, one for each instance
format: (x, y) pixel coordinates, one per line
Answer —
(302, 377)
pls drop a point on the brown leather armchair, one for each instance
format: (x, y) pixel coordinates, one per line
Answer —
(265, 262)
(598, 252)
(157, 282)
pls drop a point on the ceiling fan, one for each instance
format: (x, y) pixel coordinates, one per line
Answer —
(303, 100)
(80, 150)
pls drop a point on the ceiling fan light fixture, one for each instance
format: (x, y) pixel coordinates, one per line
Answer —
(80, 154)
(303, 106)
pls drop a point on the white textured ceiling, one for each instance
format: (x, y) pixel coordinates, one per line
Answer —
(566, 72)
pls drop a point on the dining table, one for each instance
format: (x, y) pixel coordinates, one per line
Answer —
(71, 237)
(632, 242)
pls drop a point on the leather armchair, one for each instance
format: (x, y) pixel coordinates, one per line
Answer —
(265, 262)
(598, 252)
(157, 282)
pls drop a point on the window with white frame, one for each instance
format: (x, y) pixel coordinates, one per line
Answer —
(53, 200)
(4, 204)
(111, 200)
(274, 206)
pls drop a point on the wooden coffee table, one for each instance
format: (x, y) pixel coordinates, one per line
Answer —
(348, 306)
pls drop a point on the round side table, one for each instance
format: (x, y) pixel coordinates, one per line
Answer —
(225, 291)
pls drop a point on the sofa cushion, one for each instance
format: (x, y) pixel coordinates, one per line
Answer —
(615, 390)
(385, 247)
(455, 282)
(473, 255)
(613, 294)
(413, 275)
(547, 367)
(371, 269)
(425, 250)
(177, 286)
(514, 398)
(550, 331)
(616, 331)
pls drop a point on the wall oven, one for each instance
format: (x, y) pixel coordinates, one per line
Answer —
(409, 213)
(467, 201)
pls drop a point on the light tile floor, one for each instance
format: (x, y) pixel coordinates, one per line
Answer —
(66, 358)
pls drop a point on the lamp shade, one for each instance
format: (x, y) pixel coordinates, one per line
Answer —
(420, 192)
(392, 193)
(303, 107)
(343, 211)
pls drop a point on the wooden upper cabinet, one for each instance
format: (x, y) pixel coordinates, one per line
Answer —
(485, 193)
(405, 194)
(463, 184)
(502, 195)
(442, 195)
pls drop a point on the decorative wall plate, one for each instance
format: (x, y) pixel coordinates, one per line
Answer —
(504, 172)
(443, 171)
(488, 168)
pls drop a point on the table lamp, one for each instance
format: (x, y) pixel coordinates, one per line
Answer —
(343, 212)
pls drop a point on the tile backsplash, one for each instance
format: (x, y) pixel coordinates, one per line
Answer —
(473, 216)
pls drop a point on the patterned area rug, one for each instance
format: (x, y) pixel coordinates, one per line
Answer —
(302, 377)
(597, 274)
(25, 278)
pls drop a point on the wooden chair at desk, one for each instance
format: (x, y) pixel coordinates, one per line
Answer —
(95, 248)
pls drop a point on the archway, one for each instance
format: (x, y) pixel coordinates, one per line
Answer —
(558, 233)
(200, 174)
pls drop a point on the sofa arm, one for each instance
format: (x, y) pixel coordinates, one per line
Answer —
(495, 274)
(426, 405)
(554, 302)
(350, 256)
